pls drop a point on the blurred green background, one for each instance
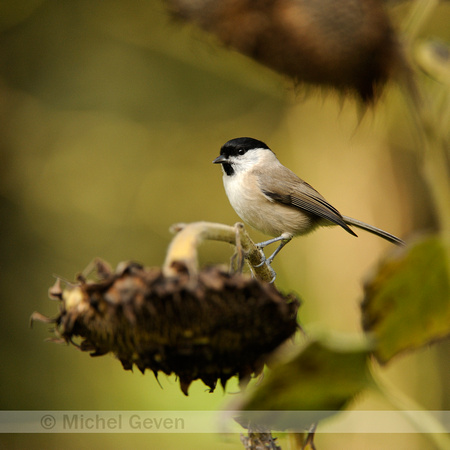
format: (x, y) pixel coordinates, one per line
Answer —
(111, 114)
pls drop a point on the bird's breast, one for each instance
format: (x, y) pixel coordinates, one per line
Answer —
(262, 213)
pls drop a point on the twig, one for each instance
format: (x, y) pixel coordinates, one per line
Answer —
(183, 248)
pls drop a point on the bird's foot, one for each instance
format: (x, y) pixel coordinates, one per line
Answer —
(267, 262)
(272, 272)
(284, 238)
(263, 256)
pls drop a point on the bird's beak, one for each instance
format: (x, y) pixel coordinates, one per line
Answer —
(220, 160)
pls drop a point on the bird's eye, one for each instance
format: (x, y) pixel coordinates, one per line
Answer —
(241, 151)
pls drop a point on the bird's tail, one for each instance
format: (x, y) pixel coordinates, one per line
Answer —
(371, 229)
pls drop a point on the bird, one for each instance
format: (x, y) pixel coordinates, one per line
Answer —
(272, 199)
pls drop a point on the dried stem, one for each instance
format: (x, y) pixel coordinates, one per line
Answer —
(183, 248)
(420, 12)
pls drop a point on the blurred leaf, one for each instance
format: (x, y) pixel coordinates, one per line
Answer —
(319, 380)
(407, 302)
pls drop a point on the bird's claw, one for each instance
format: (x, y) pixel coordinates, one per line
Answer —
(267, 262)
(263, 257)
(272, 272)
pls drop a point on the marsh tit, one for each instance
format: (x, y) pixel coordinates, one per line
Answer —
(271, 198)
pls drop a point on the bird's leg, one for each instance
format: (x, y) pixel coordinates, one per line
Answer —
(277, 250)
(261, 245)
(284, 238)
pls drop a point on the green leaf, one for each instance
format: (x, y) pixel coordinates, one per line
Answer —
(319, 380)
(407, 302)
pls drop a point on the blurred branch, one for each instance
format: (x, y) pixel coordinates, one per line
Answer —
(431, 427)
(420, 12)
(436, 163)
(433, 113)
(433, 118)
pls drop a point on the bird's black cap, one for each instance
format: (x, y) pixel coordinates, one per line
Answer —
(235, 146)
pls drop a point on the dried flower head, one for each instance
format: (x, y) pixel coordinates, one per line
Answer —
(348, 45)
(210, 326)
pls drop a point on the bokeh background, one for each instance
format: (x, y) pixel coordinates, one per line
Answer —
(110, 116)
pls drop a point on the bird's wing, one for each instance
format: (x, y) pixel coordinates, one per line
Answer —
(292, 191)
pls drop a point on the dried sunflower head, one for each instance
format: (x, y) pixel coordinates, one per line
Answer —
(347, 45)
(210, 326)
